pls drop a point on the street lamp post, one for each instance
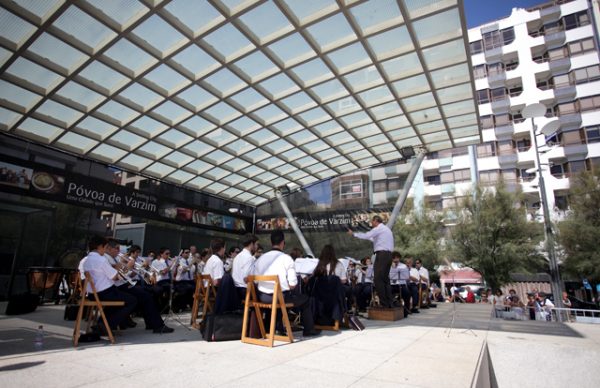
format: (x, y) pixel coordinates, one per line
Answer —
(532, 111)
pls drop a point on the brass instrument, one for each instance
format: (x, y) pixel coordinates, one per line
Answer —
(147, 275)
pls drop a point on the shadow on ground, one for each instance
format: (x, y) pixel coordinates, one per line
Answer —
(17, 333)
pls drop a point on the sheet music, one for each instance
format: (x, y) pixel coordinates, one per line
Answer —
(305, 266)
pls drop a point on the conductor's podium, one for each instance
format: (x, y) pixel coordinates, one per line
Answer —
(385, 314)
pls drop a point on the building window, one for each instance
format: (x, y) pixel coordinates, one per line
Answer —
(379, 186)
(561, 80)
(557, 170)
(494, 39)
(433, 180)
(525, 176)
(498, 94)
(561, 202)
(575, 20)
(589, 103)
(576, 166)
(587, 74)
(483, 96)
(509, 175)
(458, 151)
(557, 53)
(479, 71)
(572, 137)
(489, 177)
(515, 90)
(476, 47)
(523, 145)
(351, 189)
(581, 47)
(517, 118)
(592, 134)
(495, 68)
(486, 149)
(395, 184)
(487, 121)
(462, 175)
(506, 147)
(513, 64)
(545, 84)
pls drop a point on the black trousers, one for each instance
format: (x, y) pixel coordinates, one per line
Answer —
(381, 268)
(117, 315)
(300, 302)
(145, 300)
(362, 292)
(405, 293)
(414, 293)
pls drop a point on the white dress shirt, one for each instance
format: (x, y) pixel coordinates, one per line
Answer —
(214, 268)
(242, 267)
(404, 274)
(277, 263)
(160, 265)
(339, 271)
(114, 261)
(381, 236)
(184, 274)
(415, 274)
(101, 272)
(424, 275)
(394, 274)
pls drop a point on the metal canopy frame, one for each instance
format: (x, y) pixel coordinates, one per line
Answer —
(236, 98)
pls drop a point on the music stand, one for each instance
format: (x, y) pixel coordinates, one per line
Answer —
(170, 313)
(451, 326)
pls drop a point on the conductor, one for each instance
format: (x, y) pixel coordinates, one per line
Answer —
(383, 244)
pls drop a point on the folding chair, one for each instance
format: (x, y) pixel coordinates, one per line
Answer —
(96, 305)
(267, 339)
(205, 291)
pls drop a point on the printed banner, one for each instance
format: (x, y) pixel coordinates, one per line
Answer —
(45, 182)
(324, 222)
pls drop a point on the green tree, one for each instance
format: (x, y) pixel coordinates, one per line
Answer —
(418, 233)
(580, 232)
(493, 236)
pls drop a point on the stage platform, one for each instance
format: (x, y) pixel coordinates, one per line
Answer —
(420, 351)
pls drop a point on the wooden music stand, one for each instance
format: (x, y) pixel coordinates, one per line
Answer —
(96, 306)
(267, 339)
(205, 291)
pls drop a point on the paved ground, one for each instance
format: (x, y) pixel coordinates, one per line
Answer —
(417, 352)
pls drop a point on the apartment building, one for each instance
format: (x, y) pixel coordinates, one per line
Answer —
(546, 54)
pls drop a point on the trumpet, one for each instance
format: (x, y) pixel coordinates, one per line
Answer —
(125, 276)
(148, 275)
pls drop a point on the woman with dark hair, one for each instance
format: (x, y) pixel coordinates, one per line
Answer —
(327, 288)
(329, 264)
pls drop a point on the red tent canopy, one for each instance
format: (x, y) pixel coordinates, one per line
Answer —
(463, 275)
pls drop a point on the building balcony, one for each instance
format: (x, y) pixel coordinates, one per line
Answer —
(555, 39)
(500, 106)
(504, 131)
(550, 14)
(577, 149)
(508, 160)
(570, 121)
(496, 80)
(565, 93)
(559, 66)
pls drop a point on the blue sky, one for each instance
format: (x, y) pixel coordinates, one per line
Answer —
(483, 11)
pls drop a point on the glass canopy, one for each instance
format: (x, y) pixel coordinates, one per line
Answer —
(237, 97)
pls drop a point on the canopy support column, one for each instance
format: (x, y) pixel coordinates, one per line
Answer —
(420, 155)
(293, 224)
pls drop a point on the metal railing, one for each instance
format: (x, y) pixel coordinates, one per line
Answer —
(576, 315)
